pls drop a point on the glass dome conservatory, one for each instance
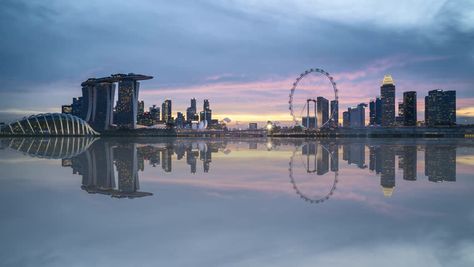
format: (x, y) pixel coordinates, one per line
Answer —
(56, 124)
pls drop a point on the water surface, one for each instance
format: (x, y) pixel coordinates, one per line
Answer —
(201, 202)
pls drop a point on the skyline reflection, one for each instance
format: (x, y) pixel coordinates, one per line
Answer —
(111, 166)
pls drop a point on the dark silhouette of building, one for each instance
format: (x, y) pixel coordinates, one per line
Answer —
(322, 160)
(322, 111)
(206, 113)
(166, 111)
(387, 172)
(346, 119)
(179, 122)
(357, 116)
(387, 93)
(440, 163)
(191, 112)
(407, 162)
(409, 108)
(127, 103)
(440, 108)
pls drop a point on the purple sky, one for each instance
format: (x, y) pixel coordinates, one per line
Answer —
(242, 55)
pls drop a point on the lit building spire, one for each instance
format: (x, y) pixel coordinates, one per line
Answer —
(387, 79)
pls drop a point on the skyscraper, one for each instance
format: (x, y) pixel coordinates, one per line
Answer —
(335, 112)
(440, 108)
(99, 108)
(409, 108)
(357, 116)
(191, 112)
(206, 113)
(179, 120)
(166, 111)
(322, 111)
(372, 112)
(346, 118)
(387, 92)
(127, 103)
(378, 111)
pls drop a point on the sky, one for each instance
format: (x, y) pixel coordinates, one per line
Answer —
(241, 55)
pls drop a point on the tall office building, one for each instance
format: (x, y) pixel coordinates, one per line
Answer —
(409, 108)
(322, 111)
(154, 113)
(335, 112)
(346, 118)
(440, 108)
(357, 116)
(372, 112)
(206, 113)
(179, 122)
(191, 112)
(166, 111)
(387, 93)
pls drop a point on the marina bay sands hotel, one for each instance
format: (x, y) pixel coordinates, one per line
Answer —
(96, 106)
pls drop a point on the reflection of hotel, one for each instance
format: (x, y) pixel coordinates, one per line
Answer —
(96, 165)
(354, 154)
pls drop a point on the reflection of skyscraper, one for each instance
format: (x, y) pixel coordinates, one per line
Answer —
(206, 157)
(354, 154)
(308, 150)
(166, 159)
(387, 176)
(96, 167)
(440, 163)
(387, 92)
(408, 162)
(191, 159)
(322, 160)
(125, 157)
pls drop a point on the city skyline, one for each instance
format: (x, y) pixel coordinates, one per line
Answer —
(247, 75)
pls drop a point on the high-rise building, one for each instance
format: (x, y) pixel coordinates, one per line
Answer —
(206, 113)
(378, 111)
(127, 103)
(179, 122)
(191, 112)
(335, 112)
(440, 108)
(357, 116)
(166, 111)
(409, 108)
(387, 176)
(154, 113)
(322, 111)
(141, 107)
(372, 112)
(387, 93)
(346, 118)
(98, 108)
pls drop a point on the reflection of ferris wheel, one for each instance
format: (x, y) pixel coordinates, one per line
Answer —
(297, 189)
(295, 85)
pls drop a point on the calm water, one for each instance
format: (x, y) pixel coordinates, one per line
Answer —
(192, 202)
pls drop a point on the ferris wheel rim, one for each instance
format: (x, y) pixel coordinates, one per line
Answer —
(294, 87)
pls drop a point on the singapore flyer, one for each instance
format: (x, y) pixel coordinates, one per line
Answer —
(308, 89)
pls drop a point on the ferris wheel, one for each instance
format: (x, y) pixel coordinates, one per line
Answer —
(295, 85)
